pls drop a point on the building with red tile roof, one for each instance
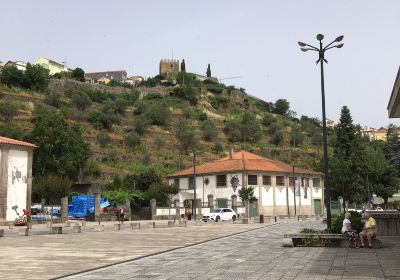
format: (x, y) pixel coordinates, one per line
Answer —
(217, 184)
(15, 177)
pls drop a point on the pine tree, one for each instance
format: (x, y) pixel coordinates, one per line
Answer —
(345, 132)
(208, 71)
(183, 66)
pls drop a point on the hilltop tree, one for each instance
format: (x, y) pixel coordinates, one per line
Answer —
(78, 74)
(208, 71)
(11, 76)
(36, 77)
(281, 107)
(183, 66)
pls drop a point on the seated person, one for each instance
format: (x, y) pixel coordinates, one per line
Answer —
(368, 231)
(348, 232)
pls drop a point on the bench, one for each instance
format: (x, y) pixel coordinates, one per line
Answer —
(322, 239)
(135, 225)
(56, 230)
(77, 228)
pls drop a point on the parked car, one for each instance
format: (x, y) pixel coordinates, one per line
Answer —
(218, 214)
(379, 209)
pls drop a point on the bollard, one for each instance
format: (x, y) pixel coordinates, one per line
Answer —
(83, 223)
(171, 223)
(67, 224)
(261, 219)
(56, 230)
(275, 219)
(152, 224)
(10, 226)
(23, 232)
(99, 228)
(1, 232)
(77, 228)
(117, 226)
(29, 226)
(245, 221)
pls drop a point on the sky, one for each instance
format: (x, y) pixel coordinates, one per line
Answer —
(255, 40)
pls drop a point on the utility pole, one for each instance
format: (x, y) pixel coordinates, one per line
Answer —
(294, 192)
(194, 185)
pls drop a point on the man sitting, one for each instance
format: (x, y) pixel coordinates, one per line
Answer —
(348, 232)
(368, 231)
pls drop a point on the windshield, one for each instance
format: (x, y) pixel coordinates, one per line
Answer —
(215, 210)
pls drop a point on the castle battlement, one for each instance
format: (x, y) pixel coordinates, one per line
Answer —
(169, 61)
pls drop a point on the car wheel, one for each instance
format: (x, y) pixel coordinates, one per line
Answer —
(217, 219)
(233, 218)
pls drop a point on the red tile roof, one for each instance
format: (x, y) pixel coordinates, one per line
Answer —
(240, 161)
(9, 141)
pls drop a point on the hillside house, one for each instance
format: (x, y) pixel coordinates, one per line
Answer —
(53, 66)
(218, 183)
(119, 75)
(380, 134)
(15, 177)
(20, 65)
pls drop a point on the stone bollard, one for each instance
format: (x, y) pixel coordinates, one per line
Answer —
(276, 219)
(245, 220)
(135, 225)
(29, 226)
(10, 226)
(77, 228)
(117, 226)
(171, 223)
(99, 228)
(67, 224)
(152, 224)
(23, 231)
(1, 232)
(182, 223)
(287, 242)
(83, 223)
(56, 230)
(48, 224)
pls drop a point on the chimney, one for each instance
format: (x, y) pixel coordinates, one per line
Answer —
(231, 153)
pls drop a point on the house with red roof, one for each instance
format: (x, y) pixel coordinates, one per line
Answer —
(280, 189)
(15, 177)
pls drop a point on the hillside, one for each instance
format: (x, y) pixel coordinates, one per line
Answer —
(130, 129)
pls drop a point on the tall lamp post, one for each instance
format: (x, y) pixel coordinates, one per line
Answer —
(321, 59)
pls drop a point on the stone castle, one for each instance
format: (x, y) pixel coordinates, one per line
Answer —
(169, 67)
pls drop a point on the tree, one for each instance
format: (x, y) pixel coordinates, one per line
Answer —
(131, 139)
(61, 149)
(78, 74)
(281, 107)
(392, 149)
(118, 193)
(186, 135)
(158, 113)
(233, 130)
(208, 71)
(139, 124)
(36, 77)
(268, 119)
(8, 110)
(345, 132)
(170, 191)
(276, 138)
(251, 128)
(209, 130)
(11, 76)
(52, 188)
(183, 66)
(146, 178)
(296, 136)
(246, 194)
(81, 100)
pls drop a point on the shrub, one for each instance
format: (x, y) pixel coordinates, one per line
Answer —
(159, 142)
(186, 135)
(130, 97)
(200, 115)
(91, 168)
(78, 74)
(131, 140)
(268, 119)
(36, 77)
(81, 100)
(158, 113)
(141, 107)
(103, 139)
(11, 76)
(53, 98)
(52, 189)
(99, 96)
(12, 131)
(188, 93)
(233, 130)
(217, 148)
(215, 88)
(355, 219)
(8, 110)
(219, 101)
(139, 124)
(276, 138)
(209, 130)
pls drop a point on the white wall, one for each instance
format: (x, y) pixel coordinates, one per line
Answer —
(17, 182)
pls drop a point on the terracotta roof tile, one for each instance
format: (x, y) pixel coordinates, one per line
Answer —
(9, 141)
(242, 160)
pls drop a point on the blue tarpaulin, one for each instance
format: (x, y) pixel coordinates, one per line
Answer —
(82, 204)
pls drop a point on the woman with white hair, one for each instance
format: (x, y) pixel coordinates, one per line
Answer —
(348, 231)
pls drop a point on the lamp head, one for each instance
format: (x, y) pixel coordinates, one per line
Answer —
(320, 37)
(304, 49)
(339, 45)
(301, 44)
(340, 38)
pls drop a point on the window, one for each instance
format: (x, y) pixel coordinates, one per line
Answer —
(304, 182)
(221, 180)
(176, 182)
(292, 181)
(266, 180)
(280, 180)
(191, 183)
(316, 182)
(227, 210)
(222, 202)
(252, 180)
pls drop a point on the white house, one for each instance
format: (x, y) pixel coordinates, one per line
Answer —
(15, 177)
(218, 182)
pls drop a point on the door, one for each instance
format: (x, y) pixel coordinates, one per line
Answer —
(253, 208)
(222, 203)
(227, 214)
(317, 206)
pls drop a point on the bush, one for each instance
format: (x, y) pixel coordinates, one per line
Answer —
(92, 168)
(8, 110)
(276, 138)
(268, 119)
(215, 88)
(217, 148)
(53, 98)
(233, 130)
(188, 93)
(139, 124)
(78, 74)
(99, 96)
(219, 102)
(52, 189)
(11, 76)
(103, 139)
(356, 224)
(104, 120)
(186, 135)
(36, 77)
(131, 140)
(12, 131)
(158, 113)
(209, 130)
(81, 100)
(130, 97)
(200, 115)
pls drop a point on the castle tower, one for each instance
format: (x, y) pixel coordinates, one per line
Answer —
(169, 67)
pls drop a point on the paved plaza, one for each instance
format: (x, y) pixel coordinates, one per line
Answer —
(258, 254)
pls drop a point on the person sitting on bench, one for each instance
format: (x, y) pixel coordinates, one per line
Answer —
(348, 232)
(368, 231)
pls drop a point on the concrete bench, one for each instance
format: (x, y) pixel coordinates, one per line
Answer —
(1, 232)
(182, 223)
(339, 239)
(77, 228)
(67, 224)
(171, 223)
(117, 226)
(23, 231)
(99, 228)
(135, 225)
(151, 224)
(56, 230)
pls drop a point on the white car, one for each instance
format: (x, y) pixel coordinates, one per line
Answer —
(224, 214)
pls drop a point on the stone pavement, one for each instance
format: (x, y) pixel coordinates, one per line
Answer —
(43, 256)
(258, 254)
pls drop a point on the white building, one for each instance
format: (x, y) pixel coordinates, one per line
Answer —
(15, 177)
(272, 181)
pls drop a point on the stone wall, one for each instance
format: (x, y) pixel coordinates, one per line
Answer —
(62, 84)
(387, 223)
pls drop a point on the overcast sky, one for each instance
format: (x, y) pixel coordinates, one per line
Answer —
(253, 39)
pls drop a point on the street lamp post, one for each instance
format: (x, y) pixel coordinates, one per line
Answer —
(321, 59)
